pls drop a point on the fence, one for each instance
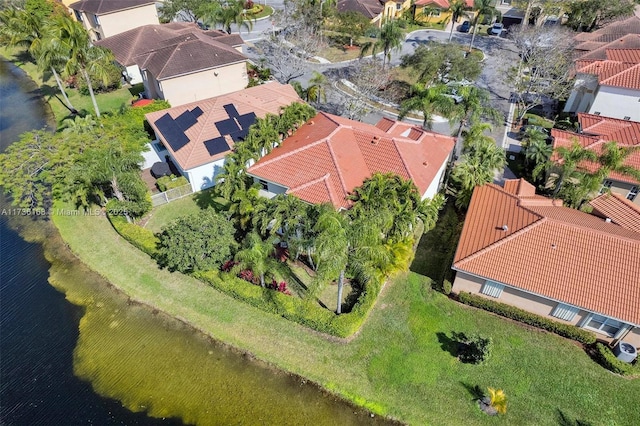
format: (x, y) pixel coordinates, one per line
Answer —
(171, 194)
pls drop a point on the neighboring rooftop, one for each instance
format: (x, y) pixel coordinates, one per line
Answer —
(197, 133)
(368, 8)
(597, 131)
(528, 242)
(611, 32)
(103, 7)
(329, 156)
(618, 209)
(174, 49)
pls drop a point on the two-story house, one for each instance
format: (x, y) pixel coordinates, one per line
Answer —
(106, 18)
(378, 11)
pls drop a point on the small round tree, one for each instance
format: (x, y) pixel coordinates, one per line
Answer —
(196, 243)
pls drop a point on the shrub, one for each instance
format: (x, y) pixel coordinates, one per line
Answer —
(473, 349)
(446, 287)
(139, 237)
(508, 311)
(605, 357)
(166, 183)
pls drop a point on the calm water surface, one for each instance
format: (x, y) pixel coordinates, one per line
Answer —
(73, 351)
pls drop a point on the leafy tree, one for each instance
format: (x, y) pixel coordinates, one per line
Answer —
(315, 91)
(353, 24)
(486, 10)
(430, 101)
(230, 12)
(442, 62)
(390, 38)
(457, 9)
(80, 125)
(257, 255)
(591, 14)
(196, 243)
(186, 10)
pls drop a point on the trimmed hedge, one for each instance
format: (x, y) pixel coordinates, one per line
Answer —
(508, 311)
(139, 237)
(605, 357)
(304, 312)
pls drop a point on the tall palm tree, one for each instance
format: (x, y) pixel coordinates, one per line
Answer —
(70, 36)
(474, 104)
(484, 8)
(612, 159)
(230, 12)
(428, 100)
(465, 176)
(257, 255)
(537, 151)
(232, 178)
(332, 247)
(390, 39)
(20, 28)
(315, 91)
(457, 8)
(565, 166)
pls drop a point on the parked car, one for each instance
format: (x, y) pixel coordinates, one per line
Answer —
(497, 28)
(465, 27)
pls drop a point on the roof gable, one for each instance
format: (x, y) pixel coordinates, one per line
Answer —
(553, 251)
(103, 7)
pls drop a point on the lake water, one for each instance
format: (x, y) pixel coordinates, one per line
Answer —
(74, 351)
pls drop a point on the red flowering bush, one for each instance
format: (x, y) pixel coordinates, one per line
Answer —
(279, 287)
(248, 4)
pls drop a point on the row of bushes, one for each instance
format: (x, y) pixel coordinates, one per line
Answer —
(605, 357)
(305, 312)
(508, 311)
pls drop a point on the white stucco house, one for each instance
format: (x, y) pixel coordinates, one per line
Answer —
(197, 136)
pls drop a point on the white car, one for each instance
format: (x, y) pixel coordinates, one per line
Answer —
(497, 28)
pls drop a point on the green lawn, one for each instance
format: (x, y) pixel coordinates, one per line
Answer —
(106, 101)
(266, 11)
(401, 363)
(163, 215)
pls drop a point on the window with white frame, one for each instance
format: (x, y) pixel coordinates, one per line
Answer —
(633, 193)
(492, 289)
(96, 21)
(398, 6)
(565, 312)
(78, 15)
(604, 325)
(606, 186)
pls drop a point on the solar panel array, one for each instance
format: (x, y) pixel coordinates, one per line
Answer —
(174, 130)
(217, 145)
(230, 126)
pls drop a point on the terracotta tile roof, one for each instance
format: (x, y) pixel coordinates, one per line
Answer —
(368, 8)
(628, 78)
(631, 56)
(628, 41)
(262, 100)
(329, 156)
(604, 70)
(613, 31)
(170, 50)
(597, 131)
(102, 7)
(617, 208)
(552, 251)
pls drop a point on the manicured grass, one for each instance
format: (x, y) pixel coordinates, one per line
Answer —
(110, 101)
(266, 11)
(163, 215)
(401, 363)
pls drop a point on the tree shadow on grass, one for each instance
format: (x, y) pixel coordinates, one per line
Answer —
(564, 420)
(209, 198)
(448, 344)
(475, 391)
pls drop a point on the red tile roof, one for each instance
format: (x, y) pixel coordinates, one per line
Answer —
(553, 251)
(618, 209)
(613, 31)
(628, 41)
(329, 156)
(262, 100)
(598, 130)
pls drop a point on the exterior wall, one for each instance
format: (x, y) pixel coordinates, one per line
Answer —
(616, 102)
(205, 84)
(134, 74)
(433, 189)
(438, 15)
(271, 190)
(583, 94)
(203, 177)
(152, 87)
(118, 22)
(622, 188)
(531, 303)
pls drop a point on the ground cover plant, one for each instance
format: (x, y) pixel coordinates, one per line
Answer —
(395, 365)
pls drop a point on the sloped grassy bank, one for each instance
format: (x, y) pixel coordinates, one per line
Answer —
(401, 364)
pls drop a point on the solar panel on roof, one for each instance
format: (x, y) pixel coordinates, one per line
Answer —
(226, 127)
(186, 120)
(231, 110)
(197, 112)
(246, 120)
(240, 135)
(216, 145)
(171, 133)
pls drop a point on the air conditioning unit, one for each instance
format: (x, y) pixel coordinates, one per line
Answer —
(625, 352)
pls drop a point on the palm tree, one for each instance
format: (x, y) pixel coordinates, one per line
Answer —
(428, 100)
(20, 28)
(537, 151)
(257, 255)
(79, 125)
(476, 135)
(226, 14)
(70, 36)
(232, 178)
(314, 91)
(465, 176)
(457, 8)
(484, 8)
(565, 165)
(498, 400)
(245, 205)
(474, 104)
(390, 39)
(613, 159)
